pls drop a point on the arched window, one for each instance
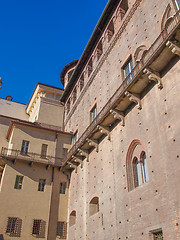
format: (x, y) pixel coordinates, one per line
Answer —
(94, 206)
(72, 218)
(136, 165)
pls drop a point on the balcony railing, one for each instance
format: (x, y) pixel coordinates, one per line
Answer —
(30, 157)
(138, 69)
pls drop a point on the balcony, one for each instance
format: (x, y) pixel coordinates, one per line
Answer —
(147, 70)
(30, 158)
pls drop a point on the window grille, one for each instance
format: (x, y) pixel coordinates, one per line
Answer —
(24, 147)
(39, 228)
(41, 186)
(63, 187)
(158, 236)
(44, 150)
(18, 182)
(61, 230)
(14, 226)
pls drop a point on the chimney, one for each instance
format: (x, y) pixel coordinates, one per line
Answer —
(9, 98)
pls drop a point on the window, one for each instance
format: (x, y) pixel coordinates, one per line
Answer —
(127, 69)
(136, 166)
(93, 113)
(156, 235)
(94, 206)
(140, 170)
(39, 228)
(24, 148)
(63, 187)
(14, 226)
(18, 182)
(41, 186)
(61, 230)
(75, 137)
(72, 218)
(44, 150)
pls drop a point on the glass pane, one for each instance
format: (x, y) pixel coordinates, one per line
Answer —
(139, 174)
(145, 169)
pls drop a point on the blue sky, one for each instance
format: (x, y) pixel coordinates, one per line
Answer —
(38, 38)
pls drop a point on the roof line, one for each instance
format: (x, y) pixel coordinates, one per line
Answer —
(103, 21)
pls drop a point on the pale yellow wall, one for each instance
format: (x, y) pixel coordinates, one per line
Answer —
(51, 112)
(13, 109)
(27, 203)
(4, 125)
(36, 138)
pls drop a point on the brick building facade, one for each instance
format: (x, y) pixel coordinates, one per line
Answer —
(122, 104)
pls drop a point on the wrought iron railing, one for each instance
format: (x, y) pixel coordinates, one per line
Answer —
(31, 157)
(158, 43)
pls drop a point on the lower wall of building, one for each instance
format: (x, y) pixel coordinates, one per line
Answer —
(28, 203)
(155, 204)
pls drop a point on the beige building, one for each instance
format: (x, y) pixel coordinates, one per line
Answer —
(119, 177)
(33, 187)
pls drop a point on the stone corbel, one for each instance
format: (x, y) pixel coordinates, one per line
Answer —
(78, 159)
(93, 143)
(14, 161)
(47, 167)
(134, 98)
(73, 166)
(31, 164)
(173, 47)
(118, 115)
(84, 153)
(105, 131)
(154, 76)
